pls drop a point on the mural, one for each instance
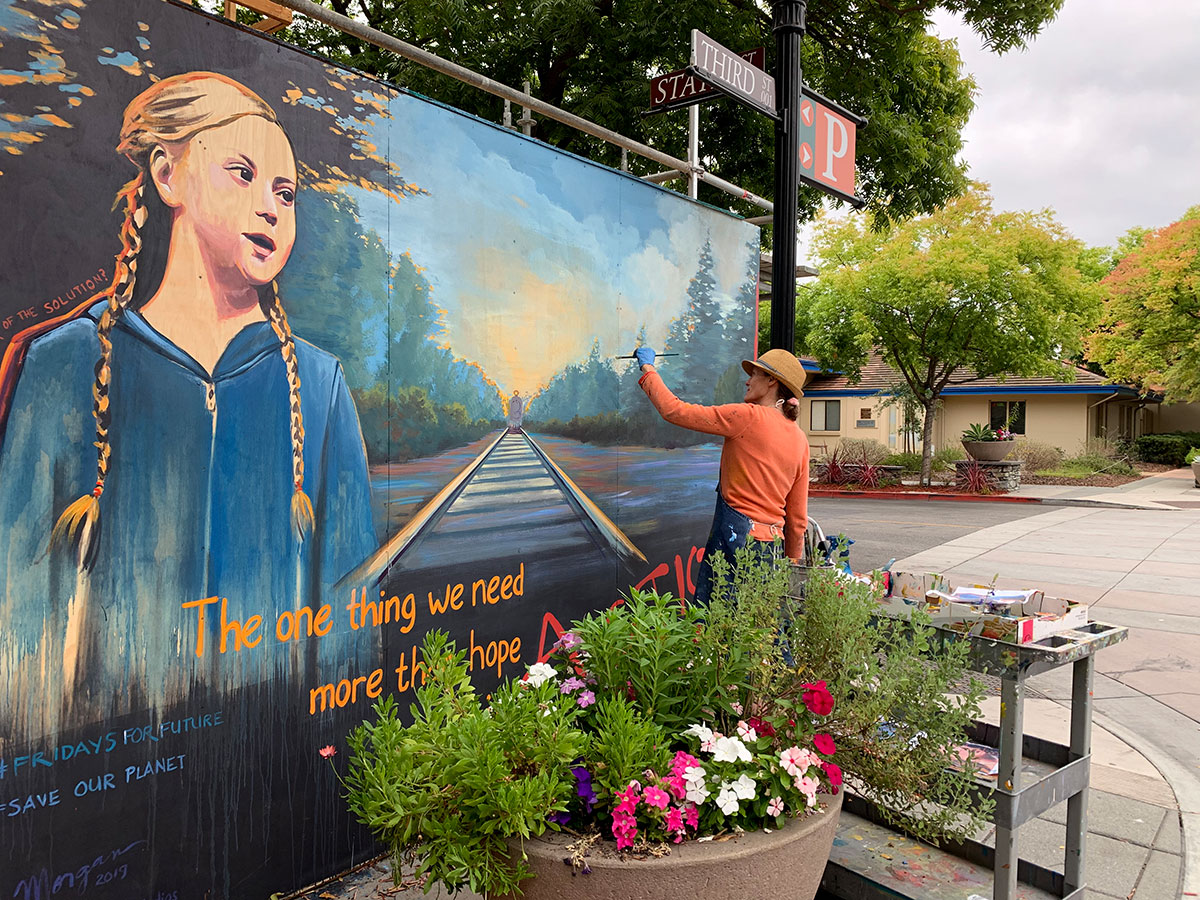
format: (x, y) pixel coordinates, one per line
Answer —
(338, 367)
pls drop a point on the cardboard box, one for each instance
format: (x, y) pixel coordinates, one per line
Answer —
(1024, 622)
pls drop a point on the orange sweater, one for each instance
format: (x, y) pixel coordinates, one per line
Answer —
(764, 462)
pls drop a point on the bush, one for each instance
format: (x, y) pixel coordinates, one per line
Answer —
(1168, 449)
(1192, 455)
(862, 450)
(946, 458)
(1037, 455)
(910, 462)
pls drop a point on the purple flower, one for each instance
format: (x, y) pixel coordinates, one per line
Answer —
(583, 786)
(559, 818)
(571, 684)
(586, 699)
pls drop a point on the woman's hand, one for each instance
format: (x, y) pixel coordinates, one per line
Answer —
(644, 357)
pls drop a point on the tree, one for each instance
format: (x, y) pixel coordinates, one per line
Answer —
(595, 58)
(961, 294)
(1150, 332)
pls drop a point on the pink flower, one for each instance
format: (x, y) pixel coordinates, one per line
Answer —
(586, 699)
(762, 726)
(571, 684)
(818, 699)
(683, 761)
(824, 744)
(794, 761)
(674, 823)
(834, 773)
(691, 816)
(656, 797)
(746, 732)
(328, 752)
(569, 641)
(677, 785)
(736, 707)
(775, 807)
(624, 829)
(808, 787)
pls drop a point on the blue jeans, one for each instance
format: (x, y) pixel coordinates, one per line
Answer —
(730, 532)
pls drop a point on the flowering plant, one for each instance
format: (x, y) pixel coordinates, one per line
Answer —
(977, 431)
(655, 722)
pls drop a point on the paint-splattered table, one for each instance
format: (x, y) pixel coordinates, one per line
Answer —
(869, 860)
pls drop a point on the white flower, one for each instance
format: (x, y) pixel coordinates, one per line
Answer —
(727, 800)
(744, 787)
(539, 674)
(730, 749)
(695, 789)
(775, 806)
(700, 731)
(746, 732)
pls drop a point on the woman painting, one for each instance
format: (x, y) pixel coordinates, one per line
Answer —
(171, 448)
(762, 493)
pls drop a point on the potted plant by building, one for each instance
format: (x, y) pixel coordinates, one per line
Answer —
(1193, 460)
(987, 444)
(653, 727)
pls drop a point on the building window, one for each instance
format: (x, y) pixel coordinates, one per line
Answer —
(1008, 414)
(826, 415)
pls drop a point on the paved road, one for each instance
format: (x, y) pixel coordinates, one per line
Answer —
(895, 529)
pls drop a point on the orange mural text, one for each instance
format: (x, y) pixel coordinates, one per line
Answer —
(494, 654)
(366, 613)
(291, 625)
(452, 599)
(492, 590)
(243, 634)
(345, 692)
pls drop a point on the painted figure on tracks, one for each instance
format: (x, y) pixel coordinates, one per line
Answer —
(171, 443)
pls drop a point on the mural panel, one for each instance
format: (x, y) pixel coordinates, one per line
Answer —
(338, 367)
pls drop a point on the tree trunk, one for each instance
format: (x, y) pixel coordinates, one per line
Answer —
(927, 445)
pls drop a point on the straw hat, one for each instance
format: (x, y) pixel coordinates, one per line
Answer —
(781, 365)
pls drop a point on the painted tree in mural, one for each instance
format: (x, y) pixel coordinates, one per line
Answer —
(596, 58)
(963, 289)
(581, 390)
(1150, 333)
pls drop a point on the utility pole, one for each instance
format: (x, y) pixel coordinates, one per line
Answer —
(789, 82)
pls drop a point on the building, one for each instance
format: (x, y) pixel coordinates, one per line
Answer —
(1064, 414)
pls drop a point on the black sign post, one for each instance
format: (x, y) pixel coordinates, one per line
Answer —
(789, 82)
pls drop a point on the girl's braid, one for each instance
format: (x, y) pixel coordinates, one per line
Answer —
(80, 521)
(302, 510)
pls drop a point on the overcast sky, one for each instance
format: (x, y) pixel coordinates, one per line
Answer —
(1099, 119)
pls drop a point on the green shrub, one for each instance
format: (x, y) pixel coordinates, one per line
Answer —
(1036, 455)
(1167, 449)
(1192, 455)
(945, 458)
(910, 462)
(862, 450)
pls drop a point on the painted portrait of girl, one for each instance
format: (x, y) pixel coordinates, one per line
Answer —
(171, 440)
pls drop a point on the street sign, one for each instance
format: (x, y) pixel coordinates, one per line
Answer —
(678, 89)
(826, 154)
(729, 73)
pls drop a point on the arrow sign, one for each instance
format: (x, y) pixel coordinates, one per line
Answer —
(726, 71)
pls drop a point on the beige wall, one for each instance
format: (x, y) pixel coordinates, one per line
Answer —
(1060, 420)
(1177, 417)
(883, 429)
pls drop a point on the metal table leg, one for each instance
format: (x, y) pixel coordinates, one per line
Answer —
(1012, 735)
(1081, 746)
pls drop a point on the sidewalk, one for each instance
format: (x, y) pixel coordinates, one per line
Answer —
(1138, 567)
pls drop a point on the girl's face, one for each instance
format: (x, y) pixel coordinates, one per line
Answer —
(235, 187)
(759, 387)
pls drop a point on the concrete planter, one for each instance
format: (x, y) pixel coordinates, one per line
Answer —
(1196, 472)
(786, 864)
(988, 451)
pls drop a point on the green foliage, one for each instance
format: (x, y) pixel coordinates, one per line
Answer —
(445, 792)
(1150, 333)
(1192, 456)
(962, 293)
(624, 744)
(895, 716)
(977, 431)
(642, 649)
(1167, 449)
(911, 462)
(946, 457)
(595, 58)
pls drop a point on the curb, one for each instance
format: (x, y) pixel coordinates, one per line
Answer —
(975, 498)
